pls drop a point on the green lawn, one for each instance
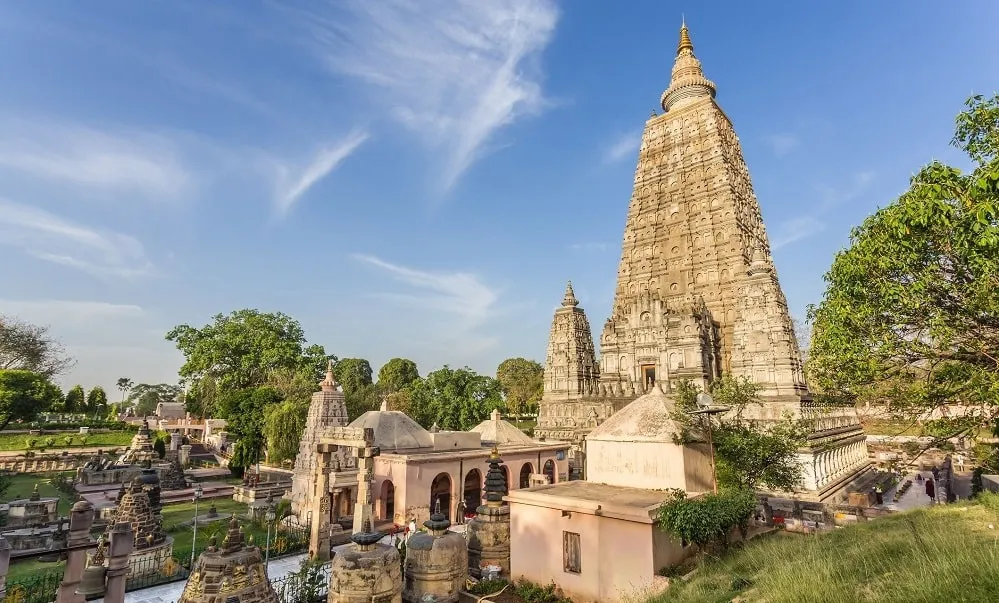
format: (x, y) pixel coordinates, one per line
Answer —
(943, 553)
(22, 484)
(112, 439)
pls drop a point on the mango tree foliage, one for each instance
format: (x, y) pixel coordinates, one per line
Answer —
(283, 427)
(454, 399)
(396, 374)
(97, 401)
(522, 381)
(75, 400)
(244, 411)
(910, 316)
(24, 394)
(353, 374)
(243, 348)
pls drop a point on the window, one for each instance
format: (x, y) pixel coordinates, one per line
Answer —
(571, 553)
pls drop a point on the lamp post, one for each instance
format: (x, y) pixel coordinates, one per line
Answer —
(704, 407)
(198, 492)
(270, 519)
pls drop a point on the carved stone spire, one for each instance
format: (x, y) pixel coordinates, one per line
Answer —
(687, 82)
(569, 299)
(329, 383)
(496, 486)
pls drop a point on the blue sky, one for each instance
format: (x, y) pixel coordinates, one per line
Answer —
(420, 178)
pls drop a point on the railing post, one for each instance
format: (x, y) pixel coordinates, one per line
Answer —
(80, 519)
(119, 548)
(4, 565)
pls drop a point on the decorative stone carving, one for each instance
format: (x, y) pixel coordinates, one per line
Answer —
(234, 572)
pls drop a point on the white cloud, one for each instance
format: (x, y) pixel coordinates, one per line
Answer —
(67, 312)
(624, 147)
(454, 293)
(48, 237)
(782, 144)
(327, 160)
(455, 71)
(789, 231)
(128, 161)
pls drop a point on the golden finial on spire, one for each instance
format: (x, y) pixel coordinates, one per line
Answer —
(685, 42)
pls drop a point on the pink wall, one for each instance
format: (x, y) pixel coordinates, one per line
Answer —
(413, 480)
(617, 556)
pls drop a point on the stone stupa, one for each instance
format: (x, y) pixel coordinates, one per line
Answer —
(234, 572)
(153, 549)
(436, 562)
(140, 451)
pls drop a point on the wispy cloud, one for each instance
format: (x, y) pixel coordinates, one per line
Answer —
(789, 231)
(48, 311)
(801, 227)
(782, 144)
(48, 237)
(459, 294)
(455, 71)
(132, 161)
(291, 188)
(624, 147)
(588, 247)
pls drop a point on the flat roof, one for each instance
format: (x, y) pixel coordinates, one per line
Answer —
(601, 493)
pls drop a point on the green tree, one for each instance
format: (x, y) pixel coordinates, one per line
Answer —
(522, 381)
(244, 412)
(28, 347)
(159, 445)
(24, 394)
(75, 400)
(97, 401)
(283, 426)
(910, 315)
(708, 518)
(353, 374)
(360, 401)
(748, 454)
(396, 374)
(124, 386)
(242, 349)
(145, 397)
(454, 399)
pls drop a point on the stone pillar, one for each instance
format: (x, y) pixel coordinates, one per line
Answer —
(184, 456)
(4, 565)
(337, 499)
(119, 548)
(366, 473)
(319, 537)
(80, 519)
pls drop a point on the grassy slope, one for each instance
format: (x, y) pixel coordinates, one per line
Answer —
(19, 441)
(944, 553)
(22, 485)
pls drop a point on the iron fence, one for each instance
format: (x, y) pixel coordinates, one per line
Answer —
(143, 573)
(39, 588)
(310, 584)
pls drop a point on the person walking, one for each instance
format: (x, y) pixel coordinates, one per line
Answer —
(879, 498)
(930, 491)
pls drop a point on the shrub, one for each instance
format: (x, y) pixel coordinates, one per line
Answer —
(50, 442)
(488, 587)
(534, 593)
(68, 440)
(708, 518)
(31, 442)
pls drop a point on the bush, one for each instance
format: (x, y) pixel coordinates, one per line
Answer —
(160, 447)
(534, 593)
(488, 587)
(68, 440)
(30, 442)
(50, 442)
(708, 518)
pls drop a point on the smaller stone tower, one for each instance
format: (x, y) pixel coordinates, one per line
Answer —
(153, 549)
(436, 562)
(327, 409)
(141, 448)
(235, 572)
(368, 572)
(489, 532)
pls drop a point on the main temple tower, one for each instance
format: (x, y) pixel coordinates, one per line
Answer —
(697, 294)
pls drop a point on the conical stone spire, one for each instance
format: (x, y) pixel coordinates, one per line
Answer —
(496, 486)
(687, 82)
(569, 299)
(329, 383)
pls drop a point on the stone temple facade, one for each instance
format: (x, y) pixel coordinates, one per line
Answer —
(697, 294)
(326, 410)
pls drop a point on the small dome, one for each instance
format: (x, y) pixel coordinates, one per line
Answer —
(647, 419)
(394, 430)
(495, 430)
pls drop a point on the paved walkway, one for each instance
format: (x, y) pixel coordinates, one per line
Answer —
(170, 593)
(914, 498)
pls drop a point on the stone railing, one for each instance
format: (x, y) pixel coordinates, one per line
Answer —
(38, 463)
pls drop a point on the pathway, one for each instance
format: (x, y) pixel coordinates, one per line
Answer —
(914, 498)
(170, 593)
